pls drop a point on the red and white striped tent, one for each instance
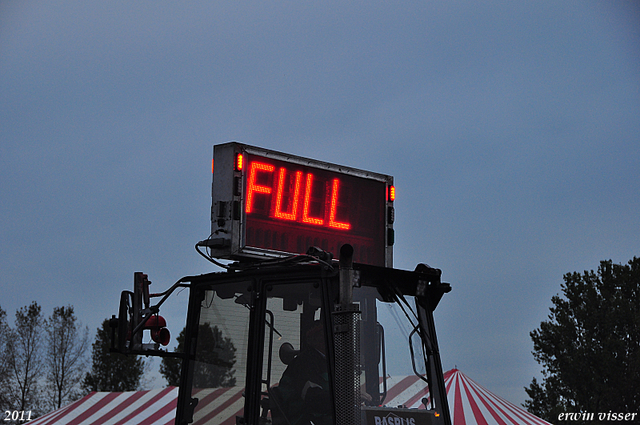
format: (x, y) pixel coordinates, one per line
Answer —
(135, 407)
(469, 403)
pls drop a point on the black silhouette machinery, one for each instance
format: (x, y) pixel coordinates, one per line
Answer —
(277, 222)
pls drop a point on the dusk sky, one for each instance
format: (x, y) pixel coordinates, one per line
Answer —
(512, 129)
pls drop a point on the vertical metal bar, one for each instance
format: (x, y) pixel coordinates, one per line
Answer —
(347, 346)
(437, 387)
(186, 403)
(253, 382)
(138, 290)
(346, 276)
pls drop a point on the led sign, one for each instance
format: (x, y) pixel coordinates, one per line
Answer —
(287, 191)
(270, 204)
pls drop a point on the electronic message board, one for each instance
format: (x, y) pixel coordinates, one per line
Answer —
(270, 204)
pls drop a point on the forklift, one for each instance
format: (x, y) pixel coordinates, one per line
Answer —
(292, 331)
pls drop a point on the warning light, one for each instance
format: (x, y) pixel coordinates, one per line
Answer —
(239, 162)
(392, 194)
(159, 333)
(436, 414)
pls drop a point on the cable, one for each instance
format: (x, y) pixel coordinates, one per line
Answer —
(209, 258)
(396, 317)
(296, 259)
(399, 297)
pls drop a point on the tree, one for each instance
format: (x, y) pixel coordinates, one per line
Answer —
(215, 358)
(25, 358)
(4, 361)
(112, 371)
(590, 346)
(170, 367)
(67, 344)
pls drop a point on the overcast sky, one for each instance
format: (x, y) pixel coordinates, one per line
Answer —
(512, 130)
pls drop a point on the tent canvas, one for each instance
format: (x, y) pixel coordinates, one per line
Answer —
(469, 403)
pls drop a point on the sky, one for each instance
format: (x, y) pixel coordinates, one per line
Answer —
(512, 130)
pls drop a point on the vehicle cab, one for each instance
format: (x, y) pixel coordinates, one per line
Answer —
(247, 328)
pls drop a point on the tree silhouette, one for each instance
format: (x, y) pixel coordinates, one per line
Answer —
(65, 362)
(5, 334)
(590, 346)
(25, 358)
(170, 366)
(112, 371)
(214, 360)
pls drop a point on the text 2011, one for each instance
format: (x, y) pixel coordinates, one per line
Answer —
(17, 415)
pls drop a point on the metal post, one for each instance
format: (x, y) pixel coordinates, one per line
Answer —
(347, 346)
(138, 295)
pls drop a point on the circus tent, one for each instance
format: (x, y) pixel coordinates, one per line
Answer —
(469, 403)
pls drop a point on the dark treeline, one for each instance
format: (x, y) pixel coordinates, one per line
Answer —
(45, 361)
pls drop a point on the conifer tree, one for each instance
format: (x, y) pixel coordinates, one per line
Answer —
(170, 366)
(112, 371)
(215, 360)
(590, 346)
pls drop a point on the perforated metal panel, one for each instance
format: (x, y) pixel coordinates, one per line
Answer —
(347, 352)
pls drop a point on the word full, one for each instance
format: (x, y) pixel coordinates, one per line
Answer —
(298, 207)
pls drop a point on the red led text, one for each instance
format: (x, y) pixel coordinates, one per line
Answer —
(292, 195)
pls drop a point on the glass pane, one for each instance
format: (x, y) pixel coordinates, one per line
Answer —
(221, 355)
(295, 371)
(385, 350)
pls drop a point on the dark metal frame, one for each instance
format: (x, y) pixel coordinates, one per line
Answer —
(424, 284)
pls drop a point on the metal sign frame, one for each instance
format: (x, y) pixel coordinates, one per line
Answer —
(229, 216)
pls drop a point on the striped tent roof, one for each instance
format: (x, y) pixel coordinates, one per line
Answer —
(153, 407)
(469, 403)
